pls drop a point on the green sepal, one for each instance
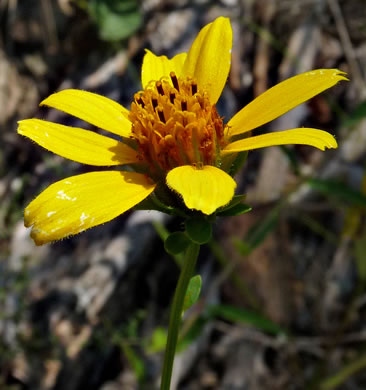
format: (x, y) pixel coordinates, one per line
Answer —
(238, 163)
(153, 203)
(234, 208)
(234, 201)
(237, 209)
(150, 204)
(199, 230)
(193, 292)
(176, 243)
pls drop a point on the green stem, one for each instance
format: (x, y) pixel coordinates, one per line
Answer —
(176, 313)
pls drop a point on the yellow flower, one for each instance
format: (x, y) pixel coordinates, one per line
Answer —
(172, 135)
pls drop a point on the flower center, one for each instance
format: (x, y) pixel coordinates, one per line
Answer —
(174, 124)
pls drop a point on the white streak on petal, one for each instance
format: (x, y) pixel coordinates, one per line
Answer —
(83, 217)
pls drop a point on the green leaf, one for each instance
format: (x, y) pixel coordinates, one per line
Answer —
(193, 333)
(232, 314)
(135, 362)
(193, 292)
(229, 313)
(116, 19)
(257, 234)
(318, 228)
(176, 243)
(292, 158)
(356, 115)
(241, 316)
(163, 234)
(359, 252)
(339, 191)
(158, 340)
(345, 372)
(199, 230)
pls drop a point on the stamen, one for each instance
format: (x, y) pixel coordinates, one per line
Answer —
(174, 124)
(140, 102)
(174, 80)
(159, 87)
(161, 115)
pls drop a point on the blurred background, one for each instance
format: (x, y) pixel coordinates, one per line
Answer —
(283, 303)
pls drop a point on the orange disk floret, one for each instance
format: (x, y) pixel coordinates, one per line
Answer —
(174, 124)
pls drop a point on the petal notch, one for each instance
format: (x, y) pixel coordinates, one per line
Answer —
(204, 189)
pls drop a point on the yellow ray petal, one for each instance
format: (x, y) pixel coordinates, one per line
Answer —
(155, 67)
(282, 98)
(76, 144)
(92, 108)
(305, 136)
(209, 57)
(80, 202)
(204, 189)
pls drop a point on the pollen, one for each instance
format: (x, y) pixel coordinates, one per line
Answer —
(174, 124)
